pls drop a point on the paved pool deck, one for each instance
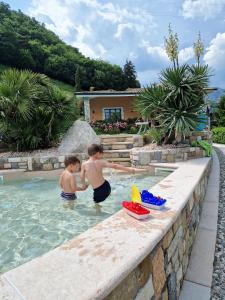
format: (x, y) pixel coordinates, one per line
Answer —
(198, 279)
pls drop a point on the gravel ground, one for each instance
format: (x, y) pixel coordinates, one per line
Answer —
(218, 282)
(36, 153)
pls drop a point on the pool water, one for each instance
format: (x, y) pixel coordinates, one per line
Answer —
(33, 219)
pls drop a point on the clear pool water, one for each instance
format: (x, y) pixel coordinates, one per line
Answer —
(33, 219)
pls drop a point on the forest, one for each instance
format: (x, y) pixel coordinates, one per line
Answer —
(27, 44)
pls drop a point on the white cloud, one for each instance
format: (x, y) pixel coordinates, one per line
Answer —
(215, 53)
(202, 8)
(186, 54)
(100, 29)
(214, 57)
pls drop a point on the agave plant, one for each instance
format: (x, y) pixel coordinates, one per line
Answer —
(33, 113)
(149, 101)
(176, 101)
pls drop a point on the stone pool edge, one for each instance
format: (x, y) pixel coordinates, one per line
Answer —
(121, 257)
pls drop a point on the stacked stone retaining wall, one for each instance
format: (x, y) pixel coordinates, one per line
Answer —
(45, 163)
(160, 275)
(142, 157)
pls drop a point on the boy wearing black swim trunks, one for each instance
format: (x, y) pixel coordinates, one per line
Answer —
(93, 170)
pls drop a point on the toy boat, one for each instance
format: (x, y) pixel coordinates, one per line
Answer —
(135, 210)
(150, 201)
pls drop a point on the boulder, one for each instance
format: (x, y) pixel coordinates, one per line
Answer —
(78, 138)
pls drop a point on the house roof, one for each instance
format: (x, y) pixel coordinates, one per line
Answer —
(127, 92)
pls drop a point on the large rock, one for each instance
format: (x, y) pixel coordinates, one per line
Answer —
(78, 138)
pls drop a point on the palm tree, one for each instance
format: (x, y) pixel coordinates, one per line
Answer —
(33, 113)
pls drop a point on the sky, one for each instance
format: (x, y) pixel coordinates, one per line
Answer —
(117, 30)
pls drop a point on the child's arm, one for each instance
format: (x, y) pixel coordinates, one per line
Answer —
(82, 176)
(122, 168)
(60, 182)
(74, 186)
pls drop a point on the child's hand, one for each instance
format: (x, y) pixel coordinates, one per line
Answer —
(84, 187)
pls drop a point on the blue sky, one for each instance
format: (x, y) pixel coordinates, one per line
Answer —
(135, 29)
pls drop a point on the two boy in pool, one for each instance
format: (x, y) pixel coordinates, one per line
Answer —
(92, 170)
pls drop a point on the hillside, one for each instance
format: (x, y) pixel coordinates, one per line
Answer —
(27, 44)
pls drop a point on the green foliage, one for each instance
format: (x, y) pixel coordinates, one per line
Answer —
(78, 79)
(176, 101)
(33, 112)
(204, 145)
(219, 135)
(130, 75)
(27, 44)
(64, 87)
(220, 112)
(155, 135)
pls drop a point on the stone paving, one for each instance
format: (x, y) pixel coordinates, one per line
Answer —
(218, 282)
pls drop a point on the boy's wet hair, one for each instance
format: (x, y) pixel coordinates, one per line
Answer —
(71, 160)
(94, 148)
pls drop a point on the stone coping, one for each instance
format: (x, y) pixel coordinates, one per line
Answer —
(93, 264)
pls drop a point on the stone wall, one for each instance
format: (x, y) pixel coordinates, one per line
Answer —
(160, 275)
(144, 157)
(35, 163)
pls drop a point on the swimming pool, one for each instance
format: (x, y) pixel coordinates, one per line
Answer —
(33, 219)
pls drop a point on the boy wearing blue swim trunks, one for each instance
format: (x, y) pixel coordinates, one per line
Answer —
(68, 181)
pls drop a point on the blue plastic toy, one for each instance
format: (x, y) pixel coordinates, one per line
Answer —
(150, 201)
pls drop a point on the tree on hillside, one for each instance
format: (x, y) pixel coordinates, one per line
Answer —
(130, 75)
(171, 46)
(198, 48)
(78, 79)
(220, 112)
(27, 44)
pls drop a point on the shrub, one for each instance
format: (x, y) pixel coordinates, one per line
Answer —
(155, 135)
(33, 113)
(220, 112)
(219, 135)
(176, 101)
(204, 145)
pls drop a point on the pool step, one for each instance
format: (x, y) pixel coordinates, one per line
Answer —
(117, 146)
(118, 156)
(117, 138)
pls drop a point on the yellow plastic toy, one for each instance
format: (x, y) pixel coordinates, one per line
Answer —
(135, 194)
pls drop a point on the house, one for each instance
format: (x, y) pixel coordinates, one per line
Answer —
(101, 105)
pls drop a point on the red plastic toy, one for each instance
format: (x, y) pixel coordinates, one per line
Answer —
(135, 210)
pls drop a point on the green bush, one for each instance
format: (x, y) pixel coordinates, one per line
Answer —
(204, 145)
(154, 135)
(33, 113)
(219, 135)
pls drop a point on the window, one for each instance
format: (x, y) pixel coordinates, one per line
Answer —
(115, 112)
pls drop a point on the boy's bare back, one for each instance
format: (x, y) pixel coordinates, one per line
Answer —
(93, 171)
(67, 182)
